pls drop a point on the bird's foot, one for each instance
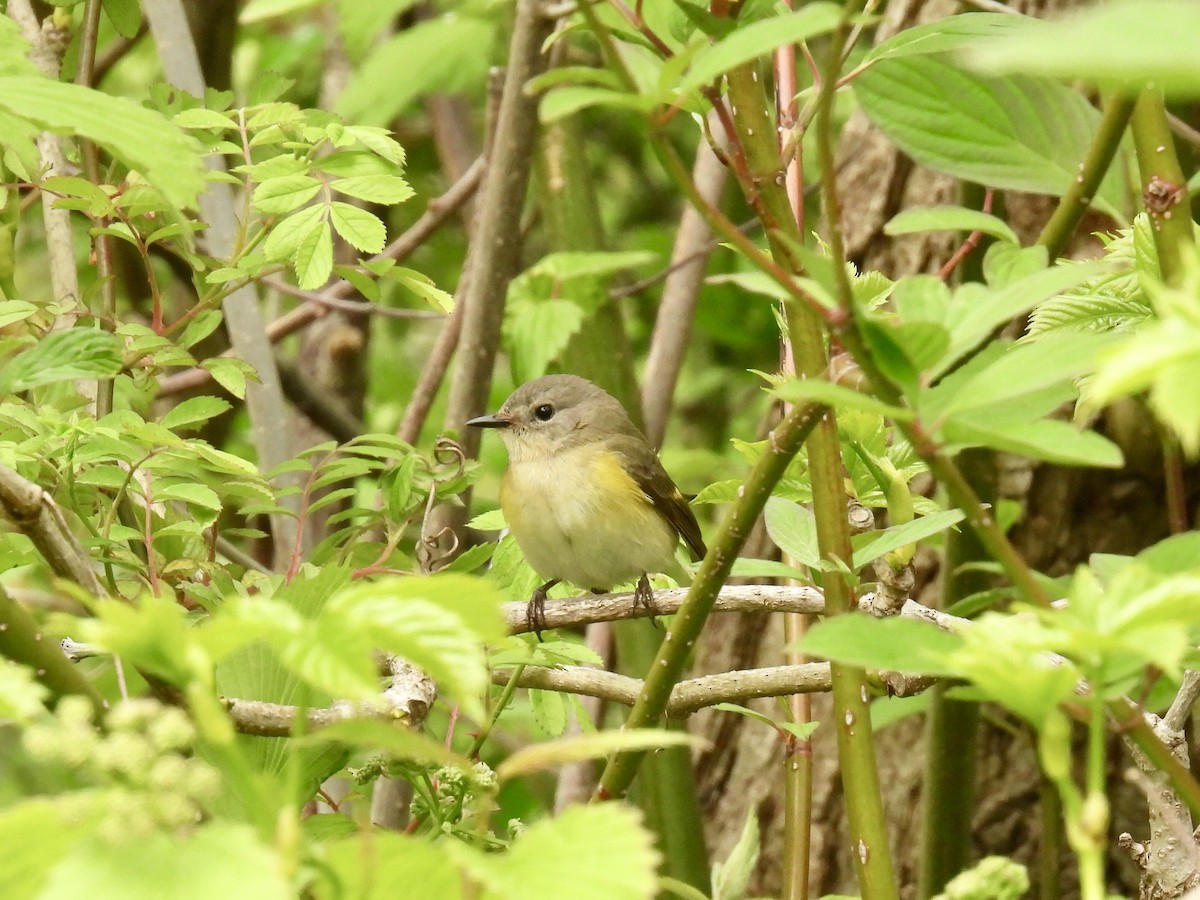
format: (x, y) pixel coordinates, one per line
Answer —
(535, 612)
(643, 596)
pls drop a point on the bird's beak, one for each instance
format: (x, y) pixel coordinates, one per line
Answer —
(494, 421)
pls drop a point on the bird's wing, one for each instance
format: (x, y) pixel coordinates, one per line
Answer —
(670, 502)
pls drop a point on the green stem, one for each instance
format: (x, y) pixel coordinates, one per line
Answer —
(782, 444)
(1074, 203)
(22, 641)
(1051, 841)
(797, 778)
(952, 726)
(502, 702)
(856, 750)
(1164, 187)
(105, 270)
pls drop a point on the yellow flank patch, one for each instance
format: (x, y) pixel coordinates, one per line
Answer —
(579, 516)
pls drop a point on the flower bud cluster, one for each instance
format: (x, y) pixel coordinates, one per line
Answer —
(141, 774)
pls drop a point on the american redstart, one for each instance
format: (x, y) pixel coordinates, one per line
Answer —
(585, 495)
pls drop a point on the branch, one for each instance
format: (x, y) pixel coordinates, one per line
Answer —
(406, 700)
(687, 696)
(676, 311)
(22, 640)
(591, 608)
(782, 444)
(35, 513)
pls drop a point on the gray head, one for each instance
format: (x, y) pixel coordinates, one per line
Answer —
(554, 413)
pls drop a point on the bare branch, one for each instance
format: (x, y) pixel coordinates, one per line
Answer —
(35, 513)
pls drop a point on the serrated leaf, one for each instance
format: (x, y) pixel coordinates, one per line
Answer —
(357, 227)
(537, 332)
(970, 322)
(602, 851)
(385, 189)
(286, 235)
(194, 411)
(63, 356)
(139, 137)
(228, 373)
(197, 494)
(313, 259)
(283, 194)
(202, 118)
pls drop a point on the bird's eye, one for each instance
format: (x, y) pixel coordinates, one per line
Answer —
(544, 413)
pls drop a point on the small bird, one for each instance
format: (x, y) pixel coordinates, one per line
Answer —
(585, 495)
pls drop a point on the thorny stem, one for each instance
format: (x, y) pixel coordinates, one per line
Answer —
(782, 445)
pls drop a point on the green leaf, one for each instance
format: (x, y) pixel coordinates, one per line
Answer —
(422, 286)
(874, 544)
(359, 228)
(563, 751)
(1122, 44)
(282, 195)
(732, 877)
(15, 311)
(601, 851)
(199, 117)
(1013, 132)
(35, 837)
(817, 389)
(228, 373)
(385, 189)
(758, 39)
(287, 234)
(162, 865)
(949, 218)
(197, 494)
(975, 314)
(566, 101)
(63, 356)
(1027, 369)
(793, 528)
(945, 34)
(140, 138)
(194, 411)
(1047, 439)
(896, 644)
(372, 864)
(443, 54)
(314, 257)
(537, 332)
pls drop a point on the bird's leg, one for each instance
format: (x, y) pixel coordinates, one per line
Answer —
(535, 612)
(643, 596)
